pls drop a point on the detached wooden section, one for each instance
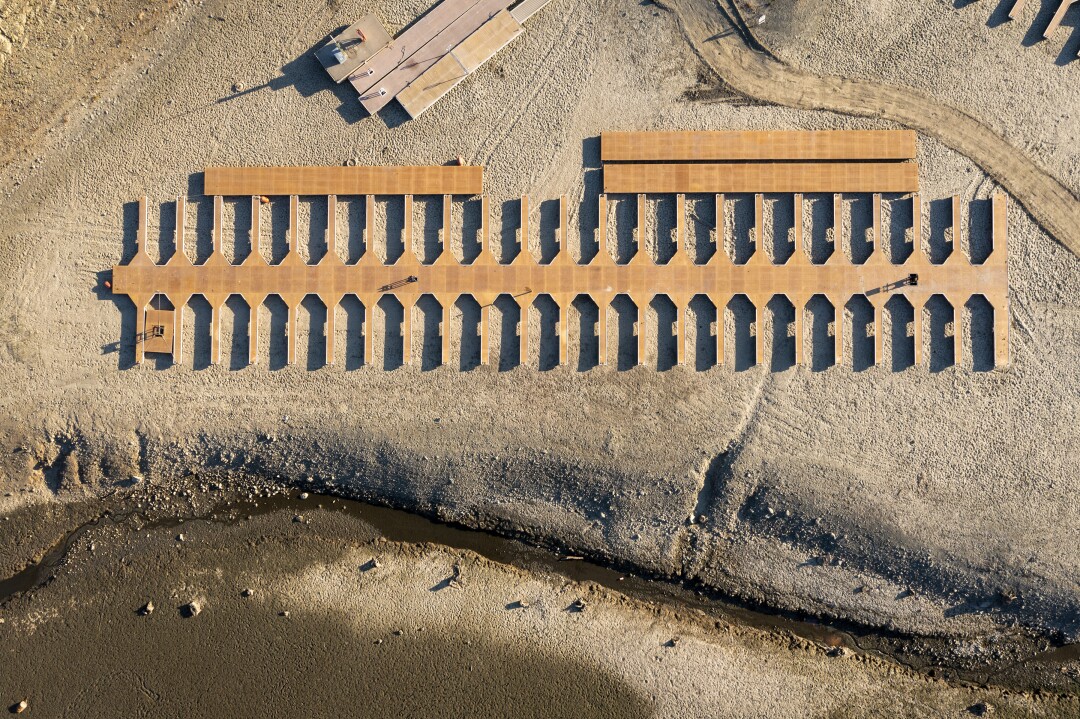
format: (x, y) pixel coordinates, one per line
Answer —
(899, 177)
(445, 42)
(454, 67)
(431, 180)
(359, 42)
(744, 146)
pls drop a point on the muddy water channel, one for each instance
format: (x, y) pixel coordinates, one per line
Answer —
(538, 681)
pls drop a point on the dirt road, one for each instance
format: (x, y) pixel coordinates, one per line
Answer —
(761, 77)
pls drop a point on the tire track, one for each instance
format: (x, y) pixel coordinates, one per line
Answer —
(761, 77)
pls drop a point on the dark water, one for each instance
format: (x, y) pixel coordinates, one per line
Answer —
(239, 657)
(401, 526)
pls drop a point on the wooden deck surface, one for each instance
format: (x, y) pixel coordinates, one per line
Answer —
(438, 47)
(762, 177)
(360, 180)
(356, 53)
(563, 280)
(409, 41)
(750, 145)
(429, 87)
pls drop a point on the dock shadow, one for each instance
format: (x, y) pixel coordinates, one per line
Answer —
(626, 351)
(743, 316)
(469, 354)
(589, 346)
(509, 341)
(704, 315)
(822, 344)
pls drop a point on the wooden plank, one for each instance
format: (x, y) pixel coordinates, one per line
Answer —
(1059, 15)
(435, 49)
(473, 52)
(408, 42)
(750, 145)
(357, 51)
(899, 177)
(359, 180)
(527, 8)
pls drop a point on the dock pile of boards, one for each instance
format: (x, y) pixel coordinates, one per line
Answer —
(713, 161)
(429, 57)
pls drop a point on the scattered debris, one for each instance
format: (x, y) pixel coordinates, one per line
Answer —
(572, 558)
(146, 609)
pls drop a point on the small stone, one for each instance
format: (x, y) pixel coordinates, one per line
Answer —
(673, 642)
(20, 707)
(523, 603)
(135, 479)
(191, 609)
(146, 609)
(247, 592)
(180, 537)
(840, 652)
(298, 518)
(304, 495)
(284, 614)
(238, 87)
(398, 632)
(378, 641)
(579, 605)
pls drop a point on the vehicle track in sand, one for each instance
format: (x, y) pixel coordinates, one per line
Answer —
(719, 42)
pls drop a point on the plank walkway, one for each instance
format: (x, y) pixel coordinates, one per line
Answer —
(563, 280)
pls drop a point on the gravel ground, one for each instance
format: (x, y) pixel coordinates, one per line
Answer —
(918, 501)
(325, 617)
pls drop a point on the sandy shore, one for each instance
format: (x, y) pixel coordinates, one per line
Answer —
(341, 620)
(928, 503)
